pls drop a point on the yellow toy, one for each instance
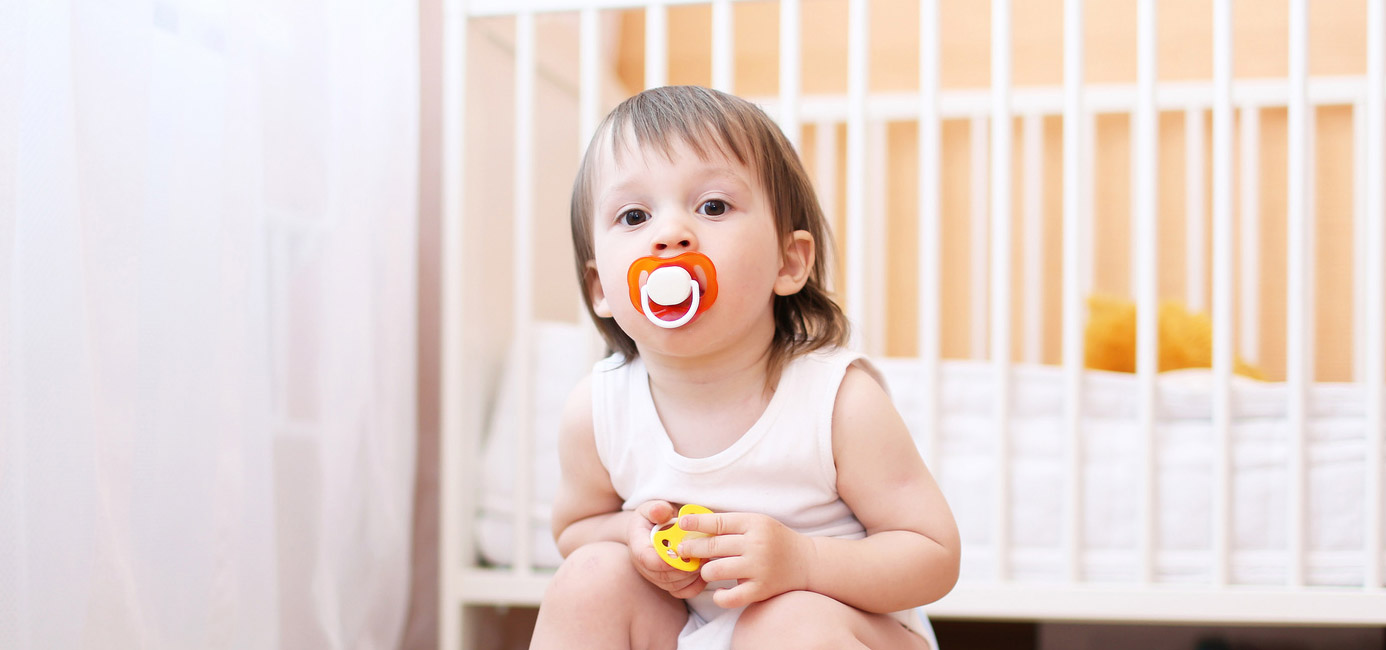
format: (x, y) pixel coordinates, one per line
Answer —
(1185, 338)
(666, 539)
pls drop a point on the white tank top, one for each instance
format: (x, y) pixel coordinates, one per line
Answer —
(782, 466)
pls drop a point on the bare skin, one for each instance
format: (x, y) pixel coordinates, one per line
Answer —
(599, 597)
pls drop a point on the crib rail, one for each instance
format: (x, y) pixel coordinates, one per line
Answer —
(1235, 105)
(1374, 321)
(1160, 604)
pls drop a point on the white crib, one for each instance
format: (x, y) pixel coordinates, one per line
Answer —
(1189, 497)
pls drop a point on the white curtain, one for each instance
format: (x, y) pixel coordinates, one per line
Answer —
(207, 322)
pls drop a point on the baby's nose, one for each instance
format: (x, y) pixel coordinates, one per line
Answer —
(675, 235)
(681, 244)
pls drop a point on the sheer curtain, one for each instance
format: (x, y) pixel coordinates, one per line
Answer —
(207, 322)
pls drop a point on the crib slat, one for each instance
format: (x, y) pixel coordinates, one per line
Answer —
(930, 226)
(523, 271)
(589, 86)
(1360, 138)
(1375, 348)
(1001, 273)
(789, 71)
(1249, 242)
(825, 179)
(1032, 130)
(1222, 292)
(1147, 283)
(1074, 235)
(656, 44)
(1089, 198)
(877, 173)
(1297, 285)
(589, 103)
(459, 430)
(1134, 210)
(723, 47)
(857, 33)
(977, 130)
(1196, 221)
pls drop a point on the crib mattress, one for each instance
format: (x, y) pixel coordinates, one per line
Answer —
(966, 466)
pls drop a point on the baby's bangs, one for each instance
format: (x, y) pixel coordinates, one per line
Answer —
(665, 117)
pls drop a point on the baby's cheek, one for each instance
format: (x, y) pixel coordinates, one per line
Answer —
(618, 296)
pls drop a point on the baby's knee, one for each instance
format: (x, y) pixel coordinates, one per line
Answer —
(597, 556)
(591, 570)
(795, 619)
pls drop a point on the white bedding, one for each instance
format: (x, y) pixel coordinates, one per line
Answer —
(1185, 444)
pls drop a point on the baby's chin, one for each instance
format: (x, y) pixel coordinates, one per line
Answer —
(640, 329)
(713, 340)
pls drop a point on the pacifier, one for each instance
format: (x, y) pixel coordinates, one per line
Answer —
(670, 292)
(667, 536)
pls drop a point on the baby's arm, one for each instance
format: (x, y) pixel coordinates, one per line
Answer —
(587, 508)
(910, 554)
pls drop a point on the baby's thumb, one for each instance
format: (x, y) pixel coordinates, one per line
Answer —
(658, 512)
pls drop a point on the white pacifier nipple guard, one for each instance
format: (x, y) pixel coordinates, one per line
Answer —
(669, 285)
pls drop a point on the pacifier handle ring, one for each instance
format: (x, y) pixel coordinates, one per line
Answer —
(669, 324)
(654, 531)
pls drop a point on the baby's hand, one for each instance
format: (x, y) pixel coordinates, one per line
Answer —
(680, 584)
(764, 556)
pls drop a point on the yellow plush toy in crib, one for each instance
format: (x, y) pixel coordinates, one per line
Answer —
(1185, 338)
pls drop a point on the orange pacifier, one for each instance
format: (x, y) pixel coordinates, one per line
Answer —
(666, 539)
(672, 291)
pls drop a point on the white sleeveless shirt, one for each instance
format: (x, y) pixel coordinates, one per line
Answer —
(782, 466)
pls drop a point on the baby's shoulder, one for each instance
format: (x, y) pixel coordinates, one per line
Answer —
(861, 387)
(576, 417)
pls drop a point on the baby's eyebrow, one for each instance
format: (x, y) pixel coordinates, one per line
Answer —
(634, 185)
(722, 173)
(619, 190)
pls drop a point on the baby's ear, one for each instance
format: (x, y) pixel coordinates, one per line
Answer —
(594, 289)
(796, 263)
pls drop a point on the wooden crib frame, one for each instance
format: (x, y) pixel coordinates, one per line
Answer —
(464, 583)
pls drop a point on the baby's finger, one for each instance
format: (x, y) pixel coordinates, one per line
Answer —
(724, 523)
(651, 562)
(656, 512)
(693, 588)
(710, 547)
(658, 571)
(727, 568)
(679, 583)
(741, 595)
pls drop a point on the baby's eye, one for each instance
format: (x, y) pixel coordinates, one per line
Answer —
(633, 217)
(713, 208)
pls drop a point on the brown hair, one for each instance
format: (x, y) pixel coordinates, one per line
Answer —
(741, 131)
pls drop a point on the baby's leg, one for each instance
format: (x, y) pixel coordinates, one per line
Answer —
(804, 619)
(598, 600)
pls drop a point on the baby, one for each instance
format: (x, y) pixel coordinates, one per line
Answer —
(696, 234)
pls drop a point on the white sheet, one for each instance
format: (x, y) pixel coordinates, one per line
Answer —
(966, 465)
(559, 362)
(1185, 447)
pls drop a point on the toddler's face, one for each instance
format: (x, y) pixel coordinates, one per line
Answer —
(648, 205)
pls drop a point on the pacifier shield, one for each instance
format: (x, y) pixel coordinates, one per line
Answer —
(668, 285)
(667, 536)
